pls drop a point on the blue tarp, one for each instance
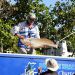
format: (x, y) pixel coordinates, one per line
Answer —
(20, 64)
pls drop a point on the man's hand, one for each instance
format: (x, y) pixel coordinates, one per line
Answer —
(21, 37)
(28, 44)
(39, 69)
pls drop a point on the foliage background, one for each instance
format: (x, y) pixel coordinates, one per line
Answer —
(54, 23)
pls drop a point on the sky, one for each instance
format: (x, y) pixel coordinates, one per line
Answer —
(11, 1)
(46, 2)
(52, 2)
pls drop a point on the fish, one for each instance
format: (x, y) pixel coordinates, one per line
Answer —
(39, 43)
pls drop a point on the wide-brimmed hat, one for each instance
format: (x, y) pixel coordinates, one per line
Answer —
(51, 64)
(32, 16)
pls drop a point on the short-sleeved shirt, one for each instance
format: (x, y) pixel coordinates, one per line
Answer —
(23, 29)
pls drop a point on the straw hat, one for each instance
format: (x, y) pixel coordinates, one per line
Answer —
(32, 16)
(52, 64)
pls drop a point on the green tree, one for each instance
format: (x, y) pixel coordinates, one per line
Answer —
(7, 40)
(64, 14)
(54, 22)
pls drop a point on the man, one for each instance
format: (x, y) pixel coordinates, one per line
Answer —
(24, 30)
(52, 67)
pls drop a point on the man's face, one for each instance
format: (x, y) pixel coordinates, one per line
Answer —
(31, 20)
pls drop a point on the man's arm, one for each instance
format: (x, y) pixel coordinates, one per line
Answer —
(16, 30)
(19, 36)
